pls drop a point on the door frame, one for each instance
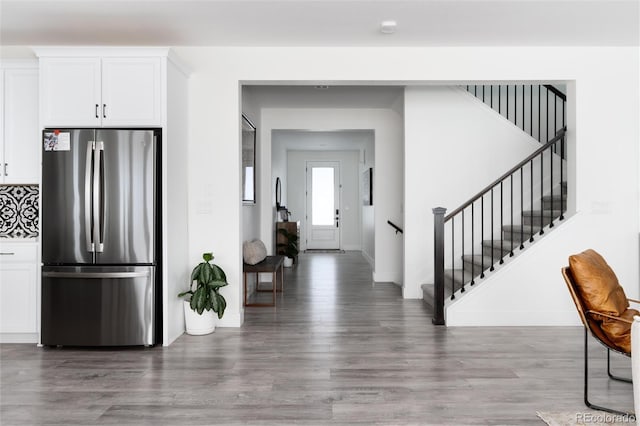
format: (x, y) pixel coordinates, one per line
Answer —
(307, 212)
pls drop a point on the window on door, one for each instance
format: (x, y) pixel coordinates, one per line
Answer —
(322, 190)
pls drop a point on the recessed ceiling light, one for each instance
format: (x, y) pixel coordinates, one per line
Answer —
(388, 27)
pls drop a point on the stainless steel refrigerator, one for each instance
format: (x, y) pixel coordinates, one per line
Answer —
(100, 237)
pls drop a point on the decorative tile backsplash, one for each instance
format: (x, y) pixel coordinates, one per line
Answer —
(19, 211)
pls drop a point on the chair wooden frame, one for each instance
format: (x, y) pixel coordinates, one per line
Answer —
(591, 326)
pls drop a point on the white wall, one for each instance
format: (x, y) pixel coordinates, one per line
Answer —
(349, 193)
(176, 260)
(604, 137)
(387, 127)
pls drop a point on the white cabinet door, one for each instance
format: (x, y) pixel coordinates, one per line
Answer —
(18, 282)
(21, 162)
(131, 90)
(70, 92)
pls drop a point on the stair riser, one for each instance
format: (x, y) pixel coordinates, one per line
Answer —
(497, 253)
(477, 268)
(516, 235)
(554, 204)
(537, 220)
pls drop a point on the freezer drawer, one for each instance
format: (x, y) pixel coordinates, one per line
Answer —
(98, 306)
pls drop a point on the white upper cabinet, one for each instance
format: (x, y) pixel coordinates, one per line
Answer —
(131, 89)
(71, 94)
(20, 144)
(101, 91)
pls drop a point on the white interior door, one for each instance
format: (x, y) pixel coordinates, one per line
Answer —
(323, 205)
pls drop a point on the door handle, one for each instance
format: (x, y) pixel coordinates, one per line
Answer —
(98, 197)
(88, 200)
(95, 274)
(97, 106)
(104, 110)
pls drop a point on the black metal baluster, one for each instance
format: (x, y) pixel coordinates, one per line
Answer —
(453, 258)
(507, 102)
(531, 110)
(539, 118)
(562, 209)
(542, 191)
(501, 226)
(547, 123)
(511, 200)
(523, 108)
(500, 98)
(491, 88)
(482, 233)
(492, 239)
(483, 93)
(551, 154)
(555, 115)
(531, 193)
(462, 251)
(473, 264)
(475, 90)
(521, 208)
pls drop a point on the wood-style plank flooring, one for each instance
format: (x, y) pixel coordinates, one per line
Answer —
(336, 350)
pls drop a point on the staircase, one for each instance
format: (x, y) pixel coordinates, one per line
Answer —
(496, 252)
(511, 213)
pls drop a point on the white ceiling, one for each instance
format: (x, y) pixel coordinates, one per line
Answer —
(319, 22)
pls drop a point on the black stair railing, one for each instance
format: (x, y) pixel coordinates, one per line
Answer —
(532, 193)
(537, 109)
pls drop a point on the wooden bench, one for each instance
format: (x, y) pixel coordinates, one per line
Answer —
(271, 264)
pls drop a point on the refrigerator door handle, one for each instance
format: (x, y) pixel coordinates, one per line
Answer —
(88, 201)
(95, 274)
(98, 198)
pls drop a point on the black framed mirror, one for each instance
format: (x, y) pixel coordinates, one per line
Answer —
(278, 193)
(248, 161)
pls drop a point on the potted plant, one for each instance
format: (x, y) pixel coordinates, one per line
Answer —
(205, 298)
(289, 248)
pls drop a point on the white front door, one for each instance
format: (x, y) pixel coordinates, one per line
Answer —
(323, 205)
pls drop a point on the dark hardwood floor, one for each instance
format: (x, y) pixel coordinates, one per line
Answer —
(336, 350)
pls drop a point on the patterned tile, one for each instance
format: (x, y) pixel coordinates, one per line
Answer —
(19, 211)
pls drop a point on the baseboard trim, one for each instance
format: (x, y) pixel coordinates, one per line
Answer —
(368, 258)
(19, 338)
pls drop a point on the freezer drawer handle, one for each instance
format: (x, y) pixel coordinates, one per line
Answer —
(7, 253)
(95, 274)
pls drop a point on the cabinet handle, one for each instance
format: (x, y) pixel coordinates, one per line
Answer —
(6, 253)
(6, 165)
(97, 106)
(104, 110)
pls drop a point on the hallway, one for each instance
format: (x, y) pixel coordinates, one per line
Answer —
(337, 350)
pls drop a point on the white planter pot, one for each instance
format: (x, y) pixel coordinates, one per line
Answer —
(288, 262)
(196, 324)
(635, 362)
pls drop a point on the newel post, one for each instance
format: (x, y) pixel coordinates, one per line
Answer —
(438, 265)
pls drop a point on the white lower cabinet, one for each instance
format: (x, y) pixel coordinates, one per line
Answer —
(18, 292)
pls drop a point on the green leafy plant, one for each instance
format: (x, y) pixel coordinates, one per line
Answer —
(290, 248)
(208, 278)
